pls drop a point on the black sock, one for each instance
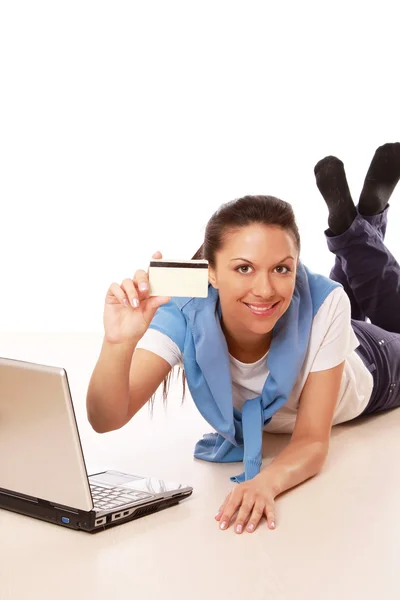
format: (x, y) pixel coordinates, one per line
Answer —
(381, 179)
(332, 183)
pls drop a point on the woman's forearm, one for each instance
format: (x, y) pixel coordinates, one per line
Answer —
(107, 399)
(299, 461)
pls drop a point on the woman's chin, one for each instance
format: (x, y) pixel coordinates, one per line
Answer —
(260, 328)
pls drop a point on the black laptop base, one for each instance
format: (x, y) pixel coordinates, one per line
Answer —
(76, 519)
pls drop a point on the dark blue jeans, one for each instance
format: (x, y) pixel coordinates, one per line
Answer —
(370, 276)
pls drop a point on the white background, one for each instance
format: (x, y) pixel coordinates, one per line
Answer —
(124, 125)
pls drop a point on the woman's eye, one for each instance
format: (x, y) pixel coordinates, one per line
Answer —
(244, 269)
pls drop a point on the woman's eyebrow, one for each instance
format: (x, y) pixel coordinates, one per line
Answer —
(249, 261)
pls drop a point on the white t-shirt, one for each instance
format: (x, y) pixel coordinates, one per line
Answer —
(332, 340)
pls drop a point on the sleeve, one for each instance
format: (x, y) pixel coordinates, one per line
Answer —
(170, 321)
(160, 344)
(339, 339)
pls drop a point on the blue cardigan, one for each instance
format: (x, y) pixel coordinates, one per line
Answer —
(194, 325)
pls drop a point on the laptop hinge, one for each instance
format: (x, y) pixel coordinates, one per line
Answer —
(58, 506)
(19, 496)
(38, 501)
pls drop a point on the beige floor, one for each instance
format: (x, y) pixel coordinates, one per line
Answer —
(337, 536)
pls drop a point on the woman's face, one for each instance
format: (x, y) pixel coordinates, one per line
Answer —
(255, 269)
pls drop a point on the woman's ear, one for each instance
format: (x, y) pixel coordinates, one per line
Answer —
(212, 277)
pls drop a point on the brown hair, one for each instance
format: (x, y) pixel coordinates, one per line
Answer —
(265, 210)
(231, 216)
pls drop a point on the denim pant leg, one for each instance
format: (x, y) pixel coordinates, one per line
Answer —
(380, 352)
(337, 273)
(372, 272)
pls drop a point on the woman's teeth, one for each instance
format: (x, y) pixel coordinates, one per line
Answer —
(261, 308)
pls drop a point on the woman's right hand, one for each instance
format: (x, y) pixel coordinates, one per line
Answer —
(128, 309)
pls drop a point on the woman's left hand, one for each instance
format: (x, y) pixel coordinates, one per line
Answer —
(253, 499)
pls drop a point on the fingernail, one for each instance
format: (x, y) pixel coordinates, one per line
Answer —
(224, 525)
(272, 525)
(250, 527)
(218, 513)
(135, 302)
(125, 302)
(239, 529)
(143, 286)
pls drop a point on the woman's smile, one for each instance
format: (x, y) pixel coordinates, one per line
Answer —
(262, 310)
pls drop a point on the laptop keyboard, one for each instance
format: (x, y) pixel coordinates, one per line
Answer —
(108, 498)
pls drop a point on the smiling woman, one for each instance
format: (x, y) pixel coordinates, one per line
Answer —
(255, 288)
(274, 347)
(247, 243)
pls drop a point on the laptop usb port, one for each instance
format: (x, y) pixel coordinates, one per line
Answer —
(122, 514)
(65, 520)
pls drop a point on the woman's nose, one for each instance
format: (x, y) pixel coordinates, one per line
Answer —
(263, 286)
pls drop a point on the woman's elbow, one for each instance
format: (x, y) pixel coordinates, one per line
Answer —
(104, 425)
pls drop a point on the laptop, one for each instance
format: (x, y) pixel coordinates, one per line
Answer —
(42, 467)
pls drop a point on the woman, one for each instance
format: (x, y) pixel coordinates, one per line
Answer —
(274, 347)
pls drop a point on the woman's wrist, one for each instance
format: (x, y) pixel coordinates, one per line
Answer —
(296, 463)
(272, 478)
(120, 350)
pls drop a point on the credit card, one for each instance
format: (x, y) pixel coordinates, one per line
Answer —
(182, 278)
